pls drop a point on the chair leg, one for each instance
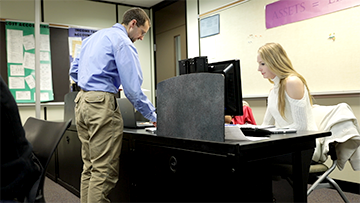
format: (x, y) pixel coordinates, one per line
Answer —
(31, 197)
(322, 177)
(314, 185)
(330, 181)
(336, 186)
(290, 181)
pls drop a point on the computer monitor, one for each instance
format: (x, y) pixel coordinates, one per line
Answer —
(233, 94)
(230, 69)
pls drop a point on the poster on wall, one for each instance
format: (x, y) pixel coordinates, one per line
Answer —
(20, 47)
(76, 36)
(210, 26)
(284, 12)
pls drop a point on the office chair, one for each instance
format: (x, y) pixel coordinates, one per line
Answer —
(318, 172)
(341, 146)
(44, 137)
(321, 172)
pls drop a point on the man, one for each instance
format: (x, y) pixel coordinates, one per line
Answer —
(108, 59)
(19, 168)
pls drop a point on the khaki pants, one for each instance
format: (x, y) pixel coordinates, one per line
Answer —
(100, 130)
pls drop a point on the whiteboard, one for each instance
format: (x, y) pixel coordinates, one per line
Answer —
(328, 65)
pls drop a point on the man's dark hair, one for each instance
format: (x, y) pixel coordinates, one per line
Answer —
(135, 13)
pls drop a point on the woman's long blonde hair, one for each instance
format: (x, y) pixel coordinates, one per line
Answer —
(278, 62)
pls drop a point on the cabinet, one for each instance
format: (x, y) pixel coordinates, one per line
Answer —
(69, 161)
(164, 169)
(178, 170)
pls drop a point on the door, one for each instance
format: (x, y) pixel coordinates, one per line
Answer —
(170, 39)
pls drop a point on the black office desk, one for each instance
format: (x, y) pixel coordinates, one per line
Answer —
(173, 169)
(154, 168)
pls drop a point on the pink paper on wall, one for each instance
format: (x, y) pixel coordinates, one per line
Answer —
(288, 11)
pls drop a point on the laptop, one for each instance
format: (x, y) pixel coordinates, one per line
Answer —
(129, 115)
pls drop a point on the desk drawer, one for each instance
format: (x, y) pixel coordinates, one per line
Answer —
(171, 174)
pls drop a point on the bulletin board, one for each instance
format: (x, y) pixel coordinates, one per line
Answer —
(324, 49)
(59, 55)
(20, 44)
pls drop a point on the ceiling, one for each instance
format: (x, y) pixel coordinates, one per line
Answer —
(140, 3)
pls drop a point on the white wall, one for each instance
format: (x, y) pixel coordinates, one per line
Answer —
(97, 15)
(240, 23)
(15, 9)
(313, 54)
(192, 29)
(79, 13)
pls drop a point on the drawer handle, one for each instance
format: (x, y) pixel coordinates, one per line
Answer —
(173, 164)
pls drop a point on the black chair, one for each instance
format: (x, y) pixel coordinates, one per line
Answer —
(321, 173)
(341, 121)
(318, 174)
(44, 137)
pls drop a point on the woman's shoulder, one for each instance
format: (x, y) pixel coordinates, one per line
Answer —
(294, 87)
(293, 79)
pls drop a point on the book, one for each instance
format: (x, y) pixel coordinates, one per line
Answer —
(253, 132)
(271, 128)
(256, 126)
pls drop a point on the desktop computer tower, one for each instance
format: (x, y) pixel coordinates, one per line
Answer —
(198, 64)
(193, 65)
(183, 66)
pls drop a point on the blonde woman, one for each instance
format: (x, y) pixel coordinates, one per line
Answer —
(289, 101)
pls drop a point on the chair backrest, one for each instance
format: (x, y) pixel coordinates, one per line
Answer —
(44, 136)
(341, 121)
(328, 116)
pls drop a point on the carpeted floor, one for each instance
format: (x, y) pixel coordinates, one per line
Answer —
(317, 196)
(329, 195)
(55, 193)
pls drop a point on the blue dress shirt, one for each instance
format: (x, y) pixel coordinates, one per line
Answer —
(108, 59)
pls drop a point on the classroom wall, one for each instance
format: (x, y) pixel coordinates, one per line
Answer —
(96, 15)
(313, 54)
(79, 13)
(332, 68)
(192, 30)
